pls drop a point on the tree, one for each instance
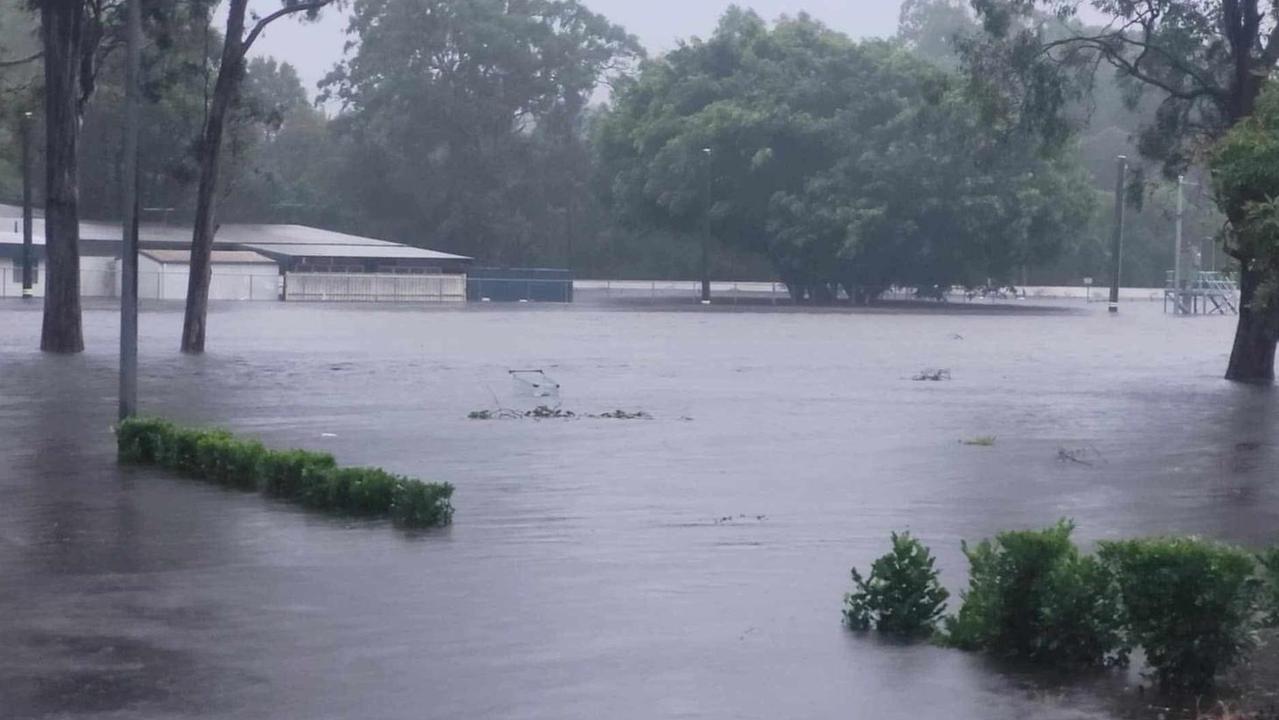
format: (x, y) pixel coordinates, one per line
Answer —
(1245, 168)
(236, 44)
(1207, 61)
(851, 166)
(71, 33)
(463, 120)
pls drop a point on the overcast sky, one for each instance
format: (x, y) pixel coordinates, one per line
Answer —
(313, 48)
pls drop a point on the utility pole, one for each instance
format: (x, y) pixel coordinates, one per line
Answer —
(28, 249)
(1117, 243)
(1176, 257)
(129, 200)
(706, 232)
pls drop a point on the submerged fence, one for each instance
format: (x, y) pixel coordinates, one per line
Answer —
(380, 287)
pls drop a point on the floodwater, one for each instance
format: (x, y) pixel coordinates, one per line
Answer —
(688, 566)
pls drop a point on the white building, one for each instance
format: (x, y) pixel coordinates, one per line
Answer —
(236, 275)
(250, 262)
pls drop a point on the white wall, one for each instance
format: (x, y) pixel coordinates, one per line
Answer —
(230, 281)
(97, 277)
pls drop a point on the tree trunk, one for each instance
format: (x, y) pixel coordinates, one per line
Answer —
(230, 72)
(1253, 357)
(62, 31)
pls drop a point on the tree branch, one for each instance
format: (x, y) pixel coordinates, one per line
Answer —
(287, 10)
(22, 61)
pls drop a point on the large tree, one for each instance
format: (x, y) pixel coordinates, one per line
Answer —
(463, 119)
(1205, 60)
(849, 165)
(71, 33)
(236, 43)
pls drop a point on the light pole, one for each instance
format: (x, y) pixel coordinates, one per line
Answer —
(1117, 242)
(129, 201)
(28, 250)
(706, 233)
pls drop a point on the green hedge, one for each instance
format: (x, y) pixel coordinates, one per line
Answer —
(310, 478)
(902, 596)
(1193, 606)
(1033, 596)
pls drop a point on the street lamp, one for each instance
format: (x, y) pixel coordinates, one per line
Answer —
(706, 233)
(27, 248)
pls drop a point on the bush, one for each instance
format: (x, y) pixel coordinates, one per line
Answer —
(1033, 597)
(1268, 564)
(139, 440)
(308, 477)
(280, 473)
(1191, 604)
(902, 595)
(419, 504)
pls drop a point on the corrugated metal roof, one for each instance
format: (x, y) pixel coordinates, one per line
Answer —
(292, 240)
(385, 250)
(235, 257)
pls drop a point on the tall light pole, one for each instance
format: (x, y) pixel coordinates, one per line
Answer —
(1117, 241)
(28, 250)
(706, 232)
(1176, 256)
(129, 200)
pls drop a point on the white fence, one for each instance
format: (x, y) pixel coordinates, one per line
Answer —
(380, 287)
(171, 285)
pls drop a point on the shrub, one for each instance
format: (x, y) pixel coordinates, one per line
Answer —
(180, 449)
(139, 440)
(1191, 604)
(1032, 596)
(308, 477)
(280, 472)
(419, 504)
(902, 595)
(1268, 564)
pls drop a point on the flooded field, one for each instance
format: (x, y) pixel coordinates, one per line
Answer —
(686, 566)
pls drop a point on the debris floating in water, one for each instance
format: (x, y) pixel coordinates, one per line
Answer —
(545, 412)
(932, 375)
(534, 383)
(624, 415)
(1080, 456)
(725, 520)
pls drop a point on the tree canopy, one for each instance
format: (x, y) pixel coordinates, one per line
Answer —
(850, 165)
(465, 118)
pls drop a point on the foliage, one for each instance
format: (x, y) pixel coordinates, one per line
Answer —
(1206, 60)
(1268, 566)
(902, 595)
(464, 119)
(848, 165)
(1191, 605)
(310, 478)
(1034, 597)
(1245, 175)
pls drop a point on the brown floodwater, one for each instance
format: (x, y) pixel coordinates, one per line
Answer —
(686, 566)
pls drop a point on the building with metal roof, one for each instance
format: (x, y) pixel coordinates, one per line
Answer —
(296, 250)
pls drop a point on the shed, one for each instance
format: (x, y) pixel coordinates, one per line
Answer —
(236, 275)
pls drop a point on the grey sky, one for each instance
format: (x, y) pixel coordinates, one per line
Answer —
(314, 48)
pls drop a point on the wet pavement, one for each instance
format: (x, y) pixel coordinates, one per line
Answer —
(688, 566)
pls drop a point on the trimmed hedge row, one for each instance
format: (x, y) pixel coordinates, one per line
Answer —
(1194, 606)
(310, 478)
